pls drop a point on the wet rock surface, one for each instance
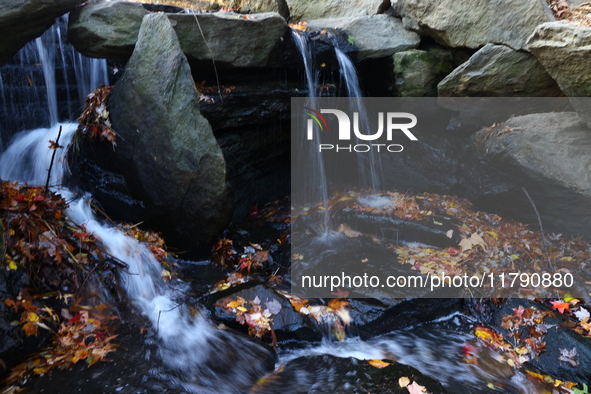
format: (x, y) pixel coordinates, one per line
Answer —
(329, 374)
(557, 337)
(547, 154)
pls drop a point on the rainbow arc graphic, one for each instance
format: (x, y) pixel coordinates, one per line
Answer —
(317, 116)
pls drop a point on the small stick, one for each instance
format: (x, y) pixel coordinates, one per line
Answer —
(541, 228)
(57, 141)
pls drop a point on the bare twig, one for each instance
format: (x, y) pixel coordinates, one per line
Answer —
(215, 69)
(541, 229)
(57, 141)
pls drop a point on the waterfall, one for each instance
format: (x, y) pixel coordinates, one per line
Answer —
(316, 182)
(46, 82)
(369, 167)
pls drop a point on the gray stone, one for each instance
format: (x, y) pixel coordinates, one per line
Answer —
(418, 72)
(375, 36)
(166, 152)
(109, 30)
(230, 39)
(474, 23)
(106, 29)
(499, 71)
(24, 20)
(564, 49)
(279, 6)
(313, 9)
(548, 154)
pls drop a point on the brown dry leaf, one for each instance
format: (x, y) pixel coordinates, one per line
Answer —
(348, 231)
(475, 240)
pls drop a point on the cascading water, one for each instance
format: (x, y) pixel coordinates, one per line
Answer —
(317, 187)
(46, 82)
(369, 167)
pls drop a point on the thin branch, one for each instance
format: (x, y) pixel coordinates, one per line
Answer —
(541, 229)
(215, 69)
(57, 141)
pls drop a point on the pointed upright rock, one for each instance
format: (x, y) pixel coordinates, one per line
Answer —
(166, 159)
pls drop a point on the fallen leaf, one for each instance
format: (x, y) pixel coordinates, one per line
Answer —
(475, 240)
(403, 381)
(561, 306)
(416, 388)
(378, 363)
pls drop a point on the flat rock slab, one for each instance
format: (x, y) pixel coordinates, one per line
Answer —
(312, 9)
(375, 36)
(110, 30)
(474, 23)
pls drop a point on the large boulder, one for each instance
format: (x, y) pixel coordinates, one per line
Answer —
(474, 23)
(499, 71)
(312, 9)
(25, 20)
(564, 49)
(419, 71)
(110, 30)
(548, 155)
(166, 158)
(375, 36)
(107, 29)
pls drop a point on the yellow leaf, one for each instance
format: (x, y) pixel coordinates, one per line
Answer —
(12, 265)
(378, 363)
(33, 317)
(242, 309)
(403, 381)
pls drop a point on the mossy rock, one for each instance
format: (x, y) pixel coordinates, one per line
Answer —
(419, 71)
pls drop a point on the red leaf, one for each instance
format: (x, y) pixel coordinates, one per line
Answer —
(561, 306)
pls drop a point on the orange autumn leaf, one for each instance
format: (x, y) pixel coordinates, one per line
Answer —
(337, 303)
(378, 363)
(30, 329)
(561, 306)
